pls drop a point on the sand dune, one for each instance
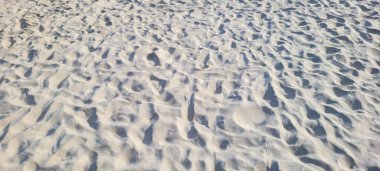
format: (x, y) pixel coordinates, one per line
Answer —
(190, 85)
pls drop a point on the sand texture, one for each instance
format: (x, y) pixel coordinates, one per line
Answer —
(114, 85)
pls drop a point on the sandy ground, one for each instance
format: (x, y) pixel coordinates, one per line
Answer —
(190, 85)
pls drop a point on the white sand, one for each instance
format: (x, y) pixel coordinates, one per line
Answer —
(190, 85)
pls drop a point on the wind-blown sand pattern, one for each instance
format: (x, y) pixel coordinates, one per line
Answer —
(190, 85)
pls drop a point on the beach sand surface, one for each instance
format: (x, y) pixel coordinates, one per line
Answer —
(190, 85)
